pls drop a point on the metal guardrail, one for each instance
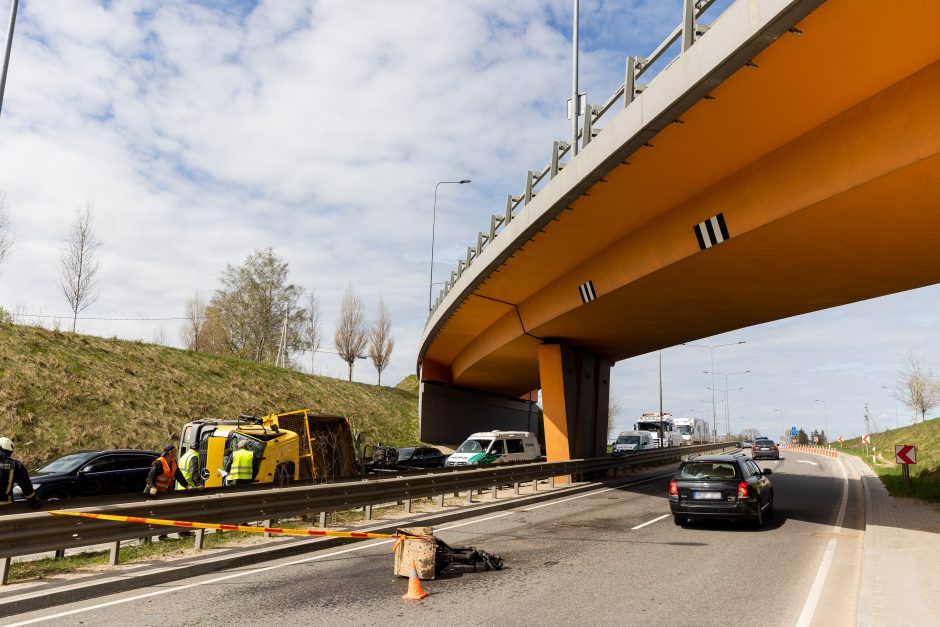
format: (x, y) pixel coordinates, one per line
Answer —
(688, 30)
(37, 532)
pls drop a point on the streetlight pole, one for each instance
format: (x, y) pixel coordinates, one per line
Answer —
(574, 79)
(711, 348)
(433, 228)
(826, 410)
(897, 420)
(728, 404)
(6, 54)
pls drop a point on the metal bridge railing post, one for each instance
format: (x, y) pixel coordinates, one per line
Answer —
(688, 24)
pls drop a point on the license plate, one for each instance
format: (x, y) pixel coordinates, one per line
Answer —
(764, 448)
(714, 496)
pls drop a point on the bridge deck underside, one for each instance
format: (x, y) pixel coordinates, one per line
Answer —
(824, 161)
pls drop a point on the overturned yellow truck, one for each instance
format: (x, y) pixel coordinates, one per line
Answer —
(292, 446)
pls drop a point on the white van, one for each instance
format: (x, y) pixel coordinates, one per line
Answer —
(495, 447)
(629, 441)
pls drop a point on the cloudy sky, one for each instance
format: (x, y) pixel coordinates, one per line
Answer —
(205, 129)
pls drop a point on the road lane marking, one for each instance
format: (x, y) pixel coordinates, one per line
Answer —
(650, 522)
(357, 547)
(806, 461)
(815, 592)
(593, 492)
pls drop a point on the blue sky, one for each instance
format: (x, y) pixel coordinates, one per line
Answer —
(205, 130)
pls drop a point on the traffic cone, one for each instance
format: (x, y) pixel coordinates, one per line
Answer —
(415, 592)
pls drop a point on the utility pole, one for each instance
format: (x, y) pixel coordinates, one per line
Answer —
(660, 399)
(6, 54)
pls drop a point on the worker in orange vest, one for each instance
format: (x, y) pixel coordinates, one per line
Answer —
(163, 472)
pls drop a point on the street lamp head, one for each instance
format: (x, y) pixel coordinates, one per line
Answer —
(464, 181)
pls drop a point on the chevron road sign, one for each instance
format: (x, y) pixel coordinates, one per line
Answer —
(905, 454)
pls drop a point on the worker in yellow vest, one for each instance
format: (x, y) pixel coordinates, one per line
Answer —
(243, 465)
(189, 467)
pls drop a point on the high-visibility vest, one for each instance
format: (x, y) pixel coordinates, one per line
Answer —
(184, 468)
(164, 480)
(242, 465)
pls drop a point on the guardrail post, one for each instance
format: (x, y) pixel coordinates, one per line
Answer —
(269, 523)
(551, 482)
(535, 485)
(688, 24)
(469, 497)
(407, 506)
(199, 542)
(115, 556)
(440, 500)
(495, 494)
(516, 487)
(367, 510)
(322, 520)
(4, 570)
(60, 553)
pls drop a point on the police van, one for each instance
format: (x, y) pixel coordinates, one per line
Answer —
(495, 447)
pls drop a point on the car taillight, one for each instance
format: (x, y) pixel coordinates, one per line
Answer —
(773, 446)
(742, 490)
(673, 488)
(754, 447)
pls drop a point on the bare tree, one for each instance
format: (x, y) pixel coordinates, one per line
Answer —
(917, 387)
(79, 264)
(194, 313)
(312, 328)
(6, 228)
(351, 336)
(381, 342)
(159, 335)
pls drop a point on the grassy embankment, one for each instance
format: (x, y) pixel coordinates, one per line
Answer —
(925, 476)
(61, 392)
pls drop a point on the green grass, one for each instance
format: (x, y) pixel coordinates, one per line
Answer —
(925, 475)
(61, 392)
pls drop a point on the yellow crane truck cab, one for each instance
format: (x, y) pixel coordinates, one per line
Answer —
(291, 446)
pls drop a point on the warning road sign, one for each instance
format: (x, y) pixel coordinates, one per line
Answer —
(866, 438)
(905, 454)
(841, 439)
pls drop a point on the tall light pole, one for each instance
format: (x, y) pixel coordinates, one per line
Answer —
(897, 420)
(433, 228)
(574, 79)
(826, 413)
(728, 404)
(6, 54)
(711, 348)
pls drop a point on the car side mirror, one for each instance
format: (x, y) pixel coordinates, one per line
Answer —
(766, 471)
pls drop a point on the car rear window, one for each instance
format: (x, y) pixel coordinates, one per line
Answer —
(708, 470)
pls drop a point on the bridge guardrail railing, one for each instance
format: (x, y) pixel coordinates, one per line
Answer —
(37, 532)
(688, 31)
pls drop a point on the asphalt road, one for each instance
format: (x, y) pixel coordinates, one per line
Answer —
(610, 556)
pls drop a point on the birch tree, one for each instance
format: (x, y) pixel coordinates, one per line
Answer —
(6, 228)
(79, 263)
(194, 313)
(312, 327)
(351, 335)
(381, 342)
(917, 386)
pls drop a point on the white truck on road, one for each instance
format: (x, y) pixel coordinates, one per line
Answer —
(650, 423)
(693, 430)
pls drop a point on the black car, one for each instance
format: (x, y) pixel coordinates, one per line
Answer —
(721, 486)
(764, 448)
(420, 457)
(92, 473)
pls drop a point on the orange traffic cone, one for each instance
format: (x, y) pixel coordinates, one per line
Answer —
(415, 592)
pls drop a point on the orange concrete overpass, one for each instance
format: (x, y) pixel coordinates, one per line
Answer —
(786, 162)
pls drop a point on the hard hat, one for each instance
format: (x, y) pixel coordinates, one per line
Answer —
(6, 444)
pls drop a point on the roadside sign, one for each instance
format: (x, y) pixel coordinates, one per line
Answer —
(794, 432)
(815, 439)
(866, 438)
(841, 440)
(905, 454)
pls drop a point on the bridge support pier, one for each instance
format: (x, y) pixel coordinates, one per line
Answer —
(575, 398)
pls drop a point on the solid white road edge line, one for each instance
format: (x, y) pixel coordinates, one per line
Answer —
(357, 547)
(812, 600)
(650, 522)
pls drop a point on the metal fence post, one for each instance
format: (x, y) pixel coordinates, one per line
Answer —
(688, 24)
(516, 487)
(407, 506)
(322, 520)
(199, 542)
(440, 501)
(469, 496)
(115, 556)
(367, 510)
(5, 570)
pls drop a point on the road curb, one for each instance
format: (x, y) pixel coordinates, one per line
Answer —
(167, 572)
